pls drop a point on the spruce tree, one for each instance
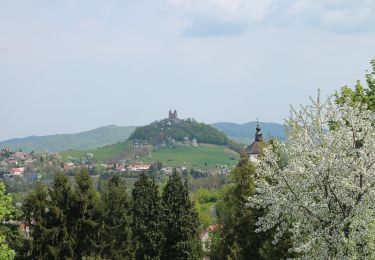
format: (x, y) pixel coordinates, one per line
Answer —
(239, 239)
(236, 237)
(147, 219)
(36, 215)
(86, 211)
(181, 229)
(116, 232)
(60, 217)
(47, 211)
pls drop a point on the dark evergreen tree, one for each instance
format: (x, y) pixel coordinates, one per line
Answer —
(181, 230)
(86, 211)
(236, 237)
(36, 213)
(147, 219)
(47, 211)
(60, 217)
(116, 235)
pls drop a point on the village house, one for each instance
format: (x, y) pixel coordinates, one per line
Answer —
(120, 167)
(28, 162)
(138, 167)
(69, 166)
(16, 171)
(19, 155)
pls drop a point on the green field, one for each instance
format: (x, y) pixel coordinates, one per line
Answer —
(103, 154)
(206, 156)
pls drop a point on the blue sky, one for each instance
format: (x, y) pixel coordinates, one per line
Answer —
(73, 65)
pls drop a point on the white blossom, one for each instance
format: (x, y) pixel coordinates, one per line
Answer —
(319, 186)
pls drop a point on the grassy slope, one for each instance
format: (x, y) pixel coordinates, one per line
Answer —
(191, 157)
(103, 154)
(180, 156)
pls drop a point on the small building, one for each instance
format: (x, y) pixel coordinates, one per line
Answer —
(19, 155)
(138, 167)
(29, 162)
(16, 171)
(120, 167)
(255, 148)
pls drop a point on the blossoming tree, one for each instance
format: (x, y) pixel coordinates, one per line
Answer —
(5, 210)
(319, 186)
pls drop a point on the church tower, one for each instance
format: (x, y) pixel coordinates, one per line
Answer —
(255, 148)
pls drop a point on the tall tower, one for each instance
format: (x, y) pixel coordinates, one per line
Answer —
(255, 148)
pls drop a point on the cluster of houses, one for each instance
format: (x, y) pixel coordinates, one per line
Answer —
(19, 163)
(118, 167)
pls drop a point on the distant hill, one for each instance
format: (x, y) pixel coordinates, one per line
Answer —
(85, 140)
(169, 142)
(168, 132)
(244, 133)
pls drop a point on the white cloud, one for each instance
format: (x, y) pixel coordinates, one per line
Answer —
(331, 15)
(335, 15)
(249, 10)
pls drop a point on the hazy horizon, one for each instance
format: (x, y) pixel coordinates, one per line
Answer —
(85, 130)
(69, 66)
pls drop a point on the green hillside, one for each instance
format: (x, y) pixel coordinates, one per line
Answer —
(103, 154)
(206, 155)
(85, 140)
(169, 142)
(203, 156)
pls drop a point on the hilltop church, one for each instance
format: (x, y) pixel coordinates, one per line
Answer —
(172, 116)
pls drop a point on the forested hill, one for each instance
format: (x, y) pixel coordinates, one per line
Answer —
(166, 131)
(85, 140)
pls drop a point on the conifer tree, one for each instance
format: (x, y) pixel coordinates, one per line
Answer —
(36, 215)
(86, 212)
(116, 232)
(236, 237)
(48, 212)
(147, 219)
(181, 228)
(60, 217)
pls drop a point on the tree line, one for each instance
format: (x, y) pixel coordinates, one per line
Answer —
(75, 221)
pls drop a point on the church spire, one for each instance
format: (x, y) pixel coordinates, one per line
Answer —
(258, 134)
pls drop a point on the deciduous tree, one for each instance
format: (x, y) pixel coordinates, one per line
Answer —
(323, 191)
(5, 210)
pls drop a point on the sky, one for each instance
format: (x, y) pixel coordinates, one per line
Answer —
(72, 65)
